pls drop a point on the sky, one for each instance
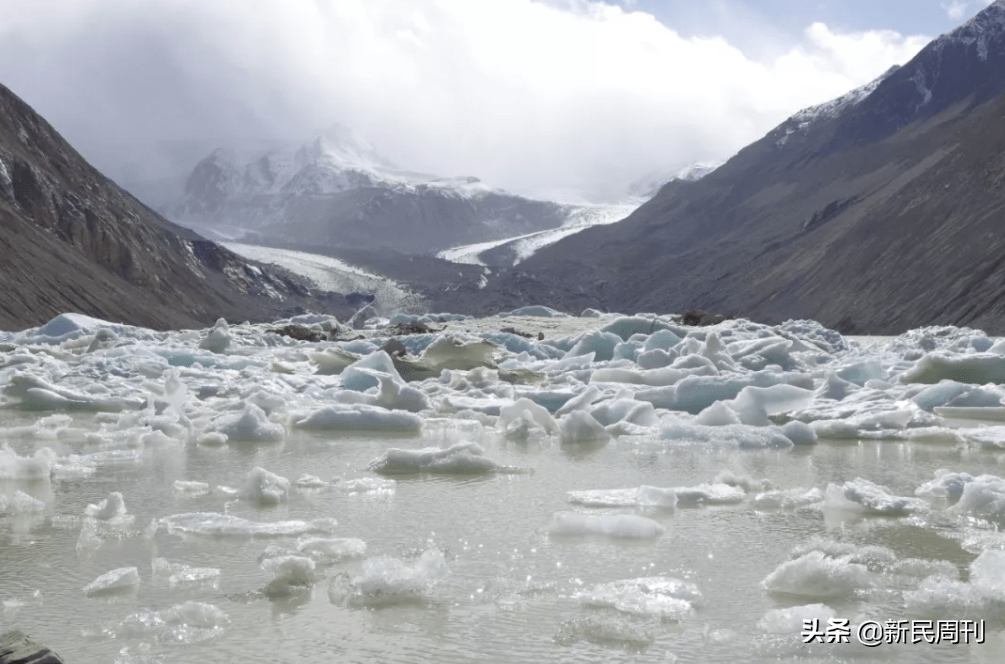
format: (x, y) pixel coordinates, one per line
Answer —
(569, 98)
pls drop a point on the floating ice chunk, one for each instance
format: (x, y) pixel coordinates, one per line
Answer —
(21, 503)
(196, 614)
(660, 597)
(741, 480)
(983, 497)
(606, 497)
(605, 630)
(817, 575)
(946, 489)
(111, 508)
(226, 525)
(799, 433)
(212, 439)
(391, 394)
(250, 425)
(265, 488)
(861, 495)
(643, 496)
(863, 371)
(626, 326)
(309, 482)
(953, 394)
(581, 427)
(525, 408)
(793, 619)
(37, 394)
(937, 597)
(359, 417)
(663, 376)
(333, 360)
(978, 368)
(835, 388)
(178, 574)
(600, 344)
(614, 411)
(695, 393)
(218, 339)
(65, 325)
(656, 358)
(710, 494)
(717, 415)
(537, 310)
(787, 499)
(388, 581)
(661, 340)
(754, 404)
(291, 575)
(36, 467)
(987, 574)
(870, 424)
(121, 580)
(191, 622)
(449, 351)
(332, 550)
(354, 378)
(621, 526)
(191, 488)
(459, 459)
(732, 435)
(365, 485)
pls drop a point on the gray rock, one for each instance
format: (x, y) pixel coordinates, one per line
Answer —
(17, 648)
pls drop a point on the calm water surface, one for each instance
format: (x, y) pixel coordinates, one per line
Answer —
(510, 595)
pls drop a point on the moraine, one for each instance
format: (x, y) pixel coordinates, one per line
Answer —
(624, 488)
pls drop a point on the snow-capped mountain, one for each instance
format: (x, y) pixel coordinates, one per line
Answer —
(337, 190)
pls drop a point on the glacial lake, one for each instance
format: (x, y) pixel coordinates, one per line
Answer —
(478, 563)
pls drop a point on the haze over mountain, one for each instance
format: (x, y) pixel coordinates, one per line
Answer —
(73, 241)
(337, 190)
(878, 211)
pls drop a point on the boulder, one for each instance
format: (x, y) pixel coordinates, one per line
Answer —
(17, 648)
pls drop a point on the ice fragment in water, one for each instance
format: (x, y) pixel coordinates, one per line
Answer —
(459, 459)
(626, 526)
(121, 580)
(816, 574)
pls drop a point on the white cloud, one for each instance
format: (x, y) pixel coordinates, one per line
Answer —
(957, 9)
(524, 94)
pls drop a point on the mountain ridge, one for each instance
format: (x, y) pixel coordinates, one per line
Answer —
(805, 227)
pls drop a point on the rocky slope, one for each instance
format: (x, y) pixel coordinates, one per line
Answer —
(875, 213)
(73, 241)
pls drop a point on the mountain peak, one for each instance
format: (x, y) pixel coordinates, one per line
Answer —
(345, 147)
(983, 29)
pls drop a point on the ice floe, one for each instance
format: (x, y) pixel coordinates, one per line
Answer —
(459, 459)
(388, 581)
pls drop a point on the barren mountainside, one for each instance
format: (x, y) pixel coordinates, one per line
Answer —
(73, 241)
(874, 213)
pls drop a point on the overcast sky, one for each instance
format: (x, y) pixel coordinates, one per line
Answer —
(530, 95)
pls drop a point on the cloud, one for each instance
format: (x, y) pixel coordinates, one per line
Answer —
(956, 10)
(568, 94)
